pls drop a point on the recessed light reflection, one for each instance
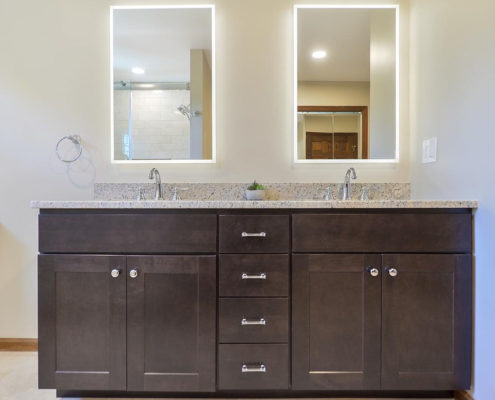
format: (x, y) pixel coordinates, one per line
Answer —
(137, 70)
(319, 54)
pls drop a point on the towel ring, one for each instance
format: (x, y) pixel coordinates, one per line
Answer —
(76, 140)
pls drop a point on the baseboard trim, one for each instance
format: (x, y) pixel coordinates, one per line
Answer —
(16, 344)
(462, 395)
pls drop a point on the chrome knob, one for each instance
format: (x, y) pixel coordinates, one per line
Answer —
(115, 272)
(133, 273)
(392, 272)
(374, 272)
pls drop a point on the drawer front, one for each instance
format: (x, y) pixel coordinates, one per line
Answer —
(253, 320)
(254, 275)
(253, 357)
(127, 233)
(369, 233)
(254, 233)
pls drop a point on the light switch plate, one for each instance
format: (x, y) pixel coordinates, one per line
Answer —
(430, 150)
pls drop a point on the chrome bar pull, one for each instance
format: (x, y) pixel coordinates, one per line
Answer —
(260, 321)
(261, 275)
(259, 234)
(253, 367)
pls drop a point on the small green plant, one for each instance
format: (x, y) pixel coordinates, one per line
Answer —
(256, 186)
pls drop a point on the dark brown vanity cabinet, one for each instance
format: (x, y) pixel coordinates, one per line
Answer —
(137, 323)
(397, 321)
(285, 302)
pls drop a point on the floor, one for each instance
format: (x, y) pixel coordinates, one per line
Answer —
(18, 378)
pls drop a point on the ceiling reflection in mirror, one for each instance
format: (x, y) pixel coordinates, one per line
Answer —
(163, 92)
(346, 84)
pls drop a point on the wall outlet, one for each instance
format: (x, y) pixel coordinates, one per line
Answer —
(429, 150)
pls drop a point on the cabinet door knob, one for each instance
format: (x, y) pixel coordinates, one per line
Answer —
(374, 272)
(392, 272)
(115, 272)
(133, 273)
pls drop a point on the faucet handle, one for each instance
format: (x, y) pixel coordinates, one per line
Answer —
(364, 194)
(176, 195)
(140, 195)
(328, 194)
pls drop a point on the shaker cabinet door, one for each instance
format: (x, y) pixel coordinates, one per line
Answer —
(426, 322)
(82, 322)
(171, 310)
(336, 322)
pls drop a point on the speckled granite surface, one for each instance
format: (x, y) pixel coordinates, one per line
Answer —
(235, 191)
(242, 204)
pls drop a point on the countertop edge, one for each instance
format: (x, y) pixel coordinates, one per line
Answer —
(245, 204)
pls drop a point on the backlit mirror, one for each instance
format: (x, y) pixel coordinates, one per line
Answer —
(346, 69)
(163, 84)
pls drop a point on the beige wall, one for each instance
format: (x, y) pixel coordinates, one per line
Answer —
(333, 94)
(453, 98)
(55, 80)
(382, 84)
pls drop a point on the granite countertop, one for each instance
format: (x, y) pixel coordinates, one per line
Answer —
(243, 204)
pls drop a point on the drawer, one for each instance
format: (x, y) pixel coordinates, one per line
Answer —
(127, 233)
(253, 320)
(266, 366)
(383, 232)
(254, 233)
(254, 275)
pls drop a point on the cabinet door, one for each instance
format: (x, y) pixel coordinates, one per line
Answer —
(426, 322)
(82, 322)
(336, 322)
(171, 309)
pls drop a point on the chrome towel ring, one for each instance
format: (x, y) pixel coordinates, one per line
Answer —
(76, 141)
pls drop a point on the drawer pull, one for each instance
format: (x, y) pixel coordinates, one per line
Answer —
(246, 321)
(257, 276)
(253, 367)
(260, 234)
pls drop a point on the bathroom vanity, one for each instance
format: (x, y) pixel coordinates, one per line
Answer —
(301, 298)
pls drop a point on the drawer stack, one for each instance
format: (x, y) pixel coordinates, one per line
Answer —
(253, 305)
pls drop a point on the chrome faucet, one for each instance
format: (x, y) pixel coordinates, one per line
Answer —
(347, 189)
(155, 174)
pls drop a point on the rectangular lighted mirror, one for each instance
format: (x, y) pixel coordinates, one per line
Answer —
(346, 68)
(163, 84)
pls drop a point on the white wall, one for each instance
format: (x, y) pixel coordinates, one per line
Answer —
(54, 80)
(453, 98)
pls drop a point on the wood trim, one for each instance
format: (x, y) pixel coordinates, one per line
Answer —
(362, 109)
(16, 344)
(462, 395)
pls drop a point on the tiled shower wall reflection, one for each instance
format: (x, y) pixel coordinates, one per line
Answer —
(152, 129)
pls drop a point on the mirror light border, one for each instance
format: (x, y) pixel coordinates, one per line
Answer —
(397, 84)
(213, 86)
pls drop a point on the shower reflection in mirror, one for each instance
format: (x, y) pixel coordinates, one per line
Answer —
(163, 92)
